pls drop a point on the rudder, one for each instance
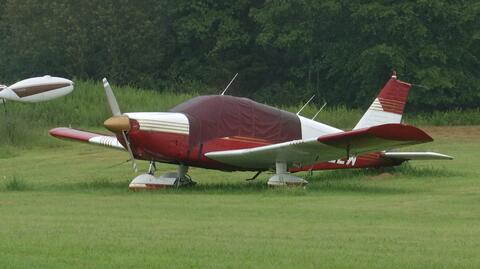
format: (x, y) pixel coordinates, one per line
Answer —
(389, 105)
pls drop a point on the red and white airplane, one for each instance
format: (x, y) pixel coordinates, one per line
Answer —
(231, 133)
(37, 89)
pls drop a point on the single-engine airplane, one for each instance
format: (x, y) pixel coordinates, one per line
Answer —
(231, 133)
(37, 89)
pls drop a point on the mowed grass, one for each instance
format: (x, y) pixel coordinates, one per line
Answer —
(68, 207)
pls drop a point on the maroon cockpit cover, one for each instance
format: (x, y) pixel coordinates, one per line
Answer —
(216, 116)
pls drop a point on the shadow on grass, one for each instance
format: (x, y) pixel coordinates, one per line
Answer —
(327, 186)
(362, 181)
(405, 170)
(358, 186)
(233, 188)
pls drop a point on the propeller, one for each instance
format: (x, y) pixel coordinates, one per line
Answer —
(118, 123)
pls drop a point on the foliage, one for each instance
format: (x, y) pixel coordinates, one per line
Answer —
(285, 51)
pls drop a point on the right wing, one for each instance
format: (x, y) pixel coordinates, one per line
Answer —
(324, 148)
(87, 137)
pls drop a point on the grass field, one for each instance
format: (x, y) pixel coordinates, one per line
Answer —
(67, 206)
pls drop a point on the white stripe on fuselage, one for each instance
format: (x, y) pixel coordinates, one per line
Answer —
(162, 122)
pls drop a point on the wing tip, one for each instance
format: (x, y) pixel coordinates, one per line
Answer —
(57, 131)
(428, 155)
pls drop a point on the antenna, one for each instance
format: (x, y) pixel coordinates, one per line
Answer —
(231, 81)
(319, 110)
(309, 100)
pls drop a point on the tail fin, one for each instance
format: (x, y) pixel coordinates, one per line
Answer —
(388, 106)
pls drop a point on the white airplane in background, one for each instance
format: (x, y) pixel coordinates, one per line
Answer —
(237, 134)
(37, 89)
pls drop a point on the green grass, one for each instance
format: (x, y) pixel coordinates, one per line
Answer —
(75, 211)
(14, 184)
(67, 205)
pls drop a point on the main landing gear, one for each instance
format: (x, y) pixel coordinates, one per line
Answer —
(166, 180)
(283, 178)
(180, 178)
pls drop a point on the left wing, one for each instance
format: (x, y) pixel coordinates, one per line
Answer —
(324, 148)
(87, 137)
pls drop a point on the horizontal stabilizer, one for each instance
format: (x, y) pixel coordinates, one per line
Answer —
(416, 156)
(87, 137)
(324, 148)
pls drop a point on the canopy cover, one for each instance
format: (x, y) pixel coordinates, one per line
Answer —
(217, 116)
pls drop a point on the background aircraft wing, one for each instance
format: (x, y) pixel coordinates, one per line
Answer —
(324, 148)
(416, 156)
(87, 137)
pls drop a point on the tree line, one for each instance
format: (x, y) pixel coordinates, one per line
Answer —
(284, 50)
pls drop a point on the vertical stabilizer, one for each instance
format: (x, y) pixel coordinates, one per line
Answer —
(388, 106)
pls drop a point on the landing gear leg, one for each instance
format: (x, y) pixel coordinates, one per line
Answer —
(283, 178)
(182, 178)
(152, 168)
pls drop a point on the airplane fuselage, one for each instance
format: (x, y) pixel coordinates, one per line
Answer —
(176, 137)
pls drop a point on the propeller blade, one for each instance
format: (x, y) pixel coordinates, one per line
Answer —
(127, 142)
(118, 123)
(112, 101)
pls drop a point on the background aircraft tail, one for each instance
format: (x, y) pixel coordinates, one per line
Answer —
(388, 106)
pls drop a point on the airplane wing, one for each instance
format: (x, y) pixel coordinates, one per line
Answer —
(87, 137)
(407, 156)
(324, 148)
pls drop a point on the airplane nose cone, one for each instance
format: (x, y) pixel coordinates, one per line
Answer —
(117, 124)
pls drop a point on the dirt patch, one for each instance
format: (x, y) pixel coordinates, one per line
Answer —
(459, 132)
